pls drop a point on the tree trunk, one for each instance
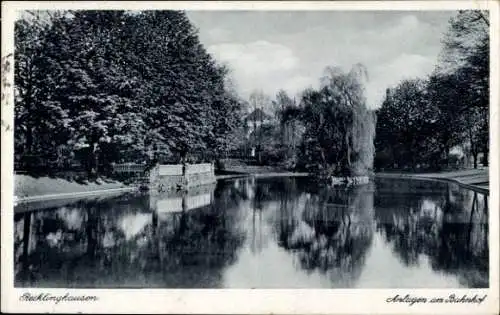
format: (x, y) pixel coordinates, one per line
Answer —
(96, 163)
(323, 158)
(348, 148)
(93, 161)
(447, 156)
(26, 164)
(486, 151)
(29, 140)
(473, 148)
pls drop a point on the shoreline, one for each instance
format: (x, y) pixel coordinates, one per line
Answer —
(279, 174)
(445, 177)
(73, 195)
(91, 193)
(95, 193)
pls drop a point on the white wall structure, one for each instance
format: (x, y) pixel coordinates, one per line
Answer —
(178, 176)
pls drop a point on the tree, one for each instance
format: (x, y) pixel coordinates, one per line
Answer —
(291, 128)
(407, 128)
(339, 128)
(467, 35)
(229, 131)
(446, 94)
(466, 56)
(183, 88)
(423, 121)
(115, 86)
(92, 85)
(37, 117)
(259, 104)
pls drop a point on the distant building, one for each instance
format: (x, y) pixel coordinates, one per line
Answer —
(256, 119)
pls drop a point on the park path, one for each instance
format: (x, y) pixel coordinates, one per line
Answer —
(472, 178)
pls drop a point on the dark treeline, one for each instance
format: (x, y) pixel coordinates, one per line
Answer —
(422, 120)
(96, 87)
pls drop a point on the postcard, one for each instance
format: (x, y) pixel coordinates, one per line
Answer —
(250, 157)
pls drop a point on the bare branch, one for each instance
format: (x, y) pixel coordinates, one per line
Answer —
(483, 17)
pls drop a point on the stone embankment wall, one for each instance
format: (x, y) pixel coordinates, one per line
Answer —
(178, 176)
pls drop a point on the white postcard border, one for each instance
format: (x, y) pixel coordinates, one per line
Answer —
(373, 301)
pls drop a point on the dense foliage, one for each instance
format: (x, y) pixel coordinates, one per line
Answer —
(339, 128)
(117, 86)
(328, 132)
(407, 127)
(97, 87)
(422, 120)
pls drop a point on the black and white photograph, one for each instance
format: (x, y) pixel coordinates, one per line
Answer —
(187, 148)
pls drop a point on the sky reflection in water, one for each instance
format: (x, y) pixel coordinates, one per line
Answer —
(260, 233)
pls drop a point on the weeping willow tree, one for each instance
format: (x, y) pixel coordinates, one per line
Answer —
(340, 129)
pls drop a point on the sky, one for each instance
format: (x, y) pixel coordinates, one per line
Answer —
(271, 50)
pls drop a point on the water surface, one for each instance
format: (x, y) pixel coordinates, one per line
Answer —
(260, 233)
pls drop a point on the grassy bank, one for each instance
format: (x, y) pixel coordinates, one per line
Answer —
(236, 166)
(27, 186)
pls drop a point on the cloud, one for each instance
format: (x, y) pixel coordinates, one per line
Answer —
(256, 57)
(219, 34)
(405, 48)
(277, 50)
(408, 23)
(261, 65)
(406, 66)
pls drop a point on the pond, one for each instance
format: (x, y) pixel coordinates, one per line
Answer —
(260, 233)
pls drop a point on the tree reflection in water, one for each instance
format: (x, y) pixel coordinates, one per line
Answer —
(329, 230)
(447, 224)
(202, 241)
(311, 236)
(110, 244)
